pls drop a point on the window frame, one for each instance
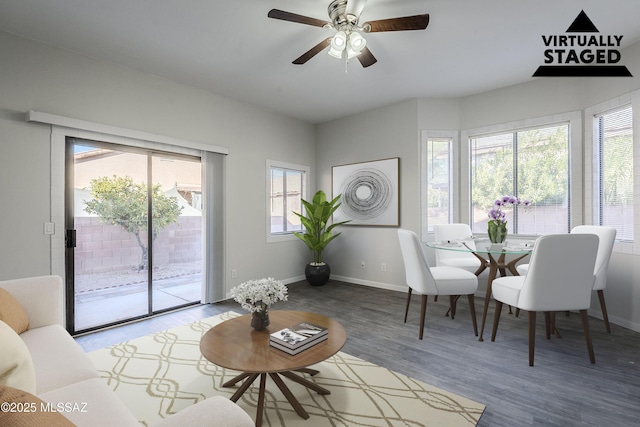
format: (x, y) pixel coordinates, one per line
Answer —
(591, 167)
(271, 164)
(453, 137)
(574, 120)
(598, 164)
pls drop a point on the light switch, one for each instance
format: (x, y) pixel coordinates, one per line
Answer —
(49, 228)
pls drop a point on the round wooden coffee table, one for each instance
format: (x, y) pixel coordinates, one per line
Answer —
(233, 344)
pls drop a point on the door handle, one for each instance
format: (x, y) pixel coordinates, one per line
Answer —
(70, 239)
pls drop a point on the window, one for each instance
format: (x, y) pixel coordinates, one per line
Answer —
(532, 164)
(614, 140)
(287, 185)
(436, 170)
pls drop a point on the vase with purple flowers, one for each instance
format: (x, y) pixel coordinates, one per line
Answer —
(497, 226)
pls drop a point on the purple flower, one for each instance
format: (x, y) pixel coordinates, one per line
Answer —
(497, 214)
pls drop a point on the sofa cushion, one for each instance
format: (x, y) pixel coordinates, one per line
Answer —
(12, 313)
(22, 409)
(41, 297)
(91, 403)
(16, 366)
(57, 359)
(216, 411)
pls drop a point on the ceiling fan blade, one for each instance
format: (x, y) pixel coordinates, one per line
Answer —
(407, 23)
(313, 51)
(366, 58)
(293, 17)
(355, 7)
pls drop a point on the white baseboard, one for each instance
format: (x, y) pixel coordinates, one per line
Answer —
(293, 279)
(616, 320)
(381, 285)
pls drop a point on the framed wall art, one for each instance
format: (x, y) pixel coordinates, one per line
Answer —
(369, 191)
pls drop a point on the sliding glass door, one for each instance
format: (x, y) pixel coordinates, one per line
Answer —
(177, 247)
(123, 263)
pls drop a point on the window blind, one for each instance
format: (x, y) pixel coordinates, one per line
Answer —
(615, 177)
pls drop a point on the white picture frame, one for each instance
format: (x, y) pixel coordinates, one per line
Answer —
(370, 192)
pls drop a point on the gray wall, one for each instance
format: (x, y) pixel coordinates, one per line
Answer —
(37, 77)
(378, 134)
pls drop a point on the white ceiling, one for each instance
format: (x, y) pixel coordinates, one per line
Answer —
(231, 48)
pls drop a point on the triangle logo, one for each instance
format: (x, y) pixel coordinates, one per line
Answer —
(582, 55)
(582, 24)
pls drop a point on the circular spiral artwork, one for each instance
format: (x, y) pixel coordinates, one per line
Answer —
(366, 194)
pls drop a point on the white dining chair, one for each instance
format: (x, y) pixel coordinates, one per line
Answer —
(456, 232)
(426, 280)
(607, 237)
(560, 277)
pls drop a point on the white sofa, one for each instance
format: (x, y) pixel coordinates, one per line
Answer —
(64, 374)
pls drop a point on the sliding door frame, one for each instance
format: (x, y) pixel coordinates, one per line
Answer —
(70, 142)
(214, 179)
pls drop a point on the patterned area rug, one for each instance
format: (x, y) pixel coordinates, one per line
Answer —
(160, 374)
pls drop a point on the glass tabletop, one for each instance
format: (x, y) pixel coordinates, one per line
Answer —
(483, 246)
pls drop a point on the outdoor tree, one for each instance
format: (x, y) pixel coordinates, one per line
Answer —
(543, 162)
(617, 156)
(120, 201)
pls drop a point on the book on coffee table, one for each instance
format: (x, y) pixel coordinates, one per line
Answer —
(300, 349)
(297, 338)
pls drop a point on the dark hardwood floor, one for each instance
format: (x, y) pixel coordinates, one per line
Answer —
(562, 389)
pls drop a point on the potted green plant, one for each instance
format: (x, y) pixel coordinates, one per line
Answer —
(318, 233)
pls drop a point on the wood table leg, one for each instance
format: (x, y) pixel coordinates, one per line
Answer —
(308, 384)
(309, 371)
(290, 397)
(483, 262)
(260, 410)
(450, 304)
(236, 379)
(493, 271)
(245, 385)
(512, 268)
(512, 265)
(502, 267)
(251, 377)
(483, 266)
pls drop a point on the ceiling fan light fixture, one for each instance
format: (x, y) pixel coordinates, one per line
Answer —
(352, 53)
(338, 44)
(339, 41)
(357, 42)
(335, 52)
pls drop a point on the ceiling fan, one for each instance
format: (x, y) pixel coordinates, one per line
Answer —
(348, 41)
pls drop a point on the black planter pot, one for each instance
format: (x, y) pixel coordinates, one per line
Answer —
(317, 275)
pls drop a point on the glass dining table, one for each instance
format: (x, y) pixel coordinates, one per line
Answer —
(496, 257)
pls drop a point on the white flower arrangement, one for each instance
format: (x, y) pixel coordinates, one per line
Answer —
(258, 295)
